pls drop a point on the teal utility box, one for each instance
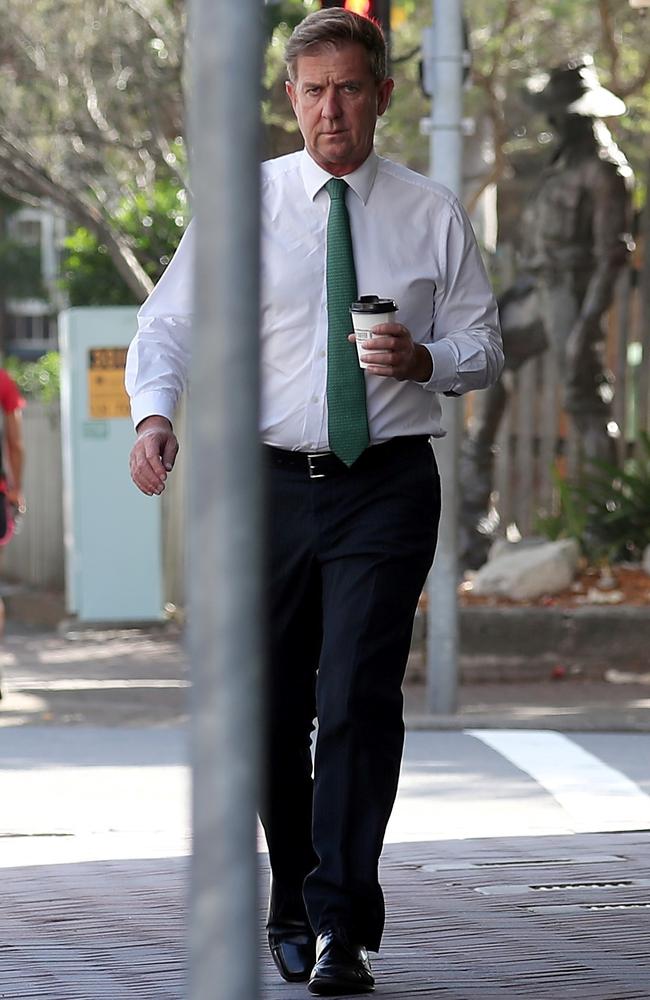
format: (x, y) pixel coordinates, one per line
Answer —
(113, 533)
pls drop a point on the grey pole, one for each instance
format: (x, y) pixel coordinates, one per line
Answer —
(224, 567)
(446, 167)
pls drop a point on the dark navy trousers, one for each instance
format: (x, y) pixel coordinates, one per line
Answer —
(349, 555)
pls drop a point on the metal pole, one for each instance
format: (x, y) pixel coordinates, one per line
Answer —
(224, 567)
(446, 167)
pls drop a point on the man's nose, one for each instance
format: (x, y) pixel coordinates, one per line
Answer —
(331, 105)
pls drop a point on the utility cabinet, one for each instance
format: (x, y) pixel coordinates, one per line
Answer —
(113, 533)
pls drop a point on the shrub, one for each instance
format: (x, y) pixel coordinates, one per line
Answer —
(608, 511)
(38, 379)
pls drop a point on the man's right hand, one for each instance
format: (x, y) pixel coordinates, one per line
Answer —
(153, 454)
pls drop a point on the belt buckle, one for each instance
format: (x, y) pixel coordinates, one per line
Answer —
(313, 469)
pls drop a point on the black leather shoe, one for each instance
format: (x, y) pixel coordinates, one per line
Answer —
(293, 948)
(341, 967)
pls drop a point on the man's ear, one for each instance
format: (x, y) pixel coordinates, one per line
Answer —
(384, 91)
(291, 93)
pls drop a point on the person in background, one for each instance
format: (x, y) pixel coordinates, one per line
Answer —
(12, 458)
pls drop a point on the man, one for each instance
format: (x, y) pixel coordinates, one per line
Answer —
(578, 238)
(353, 489)
(12, 460)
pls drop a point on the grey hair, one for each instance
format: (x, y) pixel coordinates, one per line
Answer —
(337, 27)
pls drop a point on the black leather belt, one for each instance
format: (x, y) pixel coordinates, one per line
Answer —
(323, 465)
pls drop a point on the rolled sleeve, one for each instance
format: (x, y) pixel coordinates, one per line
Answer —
(466, 352)
(158, 358)
(157, 365)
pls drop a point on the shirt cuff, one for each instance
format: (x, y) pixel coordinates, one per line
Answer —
(152, 404)
(445, 367)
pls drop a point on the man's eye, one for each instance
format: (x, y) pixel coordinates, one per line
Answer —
(313, 91)
(351, 88)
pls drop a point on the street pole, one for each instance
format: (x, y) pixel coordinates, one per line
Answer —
(446, 167)
(225, 565)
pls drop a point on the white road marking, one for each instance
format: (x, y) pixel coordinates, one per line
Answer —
(93, 683)
(450, 789)
(594, 796)
(87, 652)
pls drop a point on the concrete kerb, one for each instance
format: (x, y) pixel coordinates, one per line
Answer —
(511, 660)
(527, 643)
(497, 643)
(590, 719)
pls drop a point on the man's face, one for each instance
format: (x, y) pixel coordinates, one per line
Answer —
(337, 101)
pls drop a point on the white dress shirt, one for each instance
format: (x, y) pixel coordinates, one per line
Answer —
(412, 242)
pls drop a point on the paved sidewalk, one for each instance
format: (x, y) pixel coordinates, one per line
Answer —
(94, 833)
(532, 917)
(112, 677)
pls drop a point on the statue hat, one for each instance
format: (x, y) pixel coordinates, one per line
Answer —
(574, 88)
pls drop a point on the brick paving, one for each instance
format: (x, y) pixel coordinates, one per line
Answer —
(534, 917)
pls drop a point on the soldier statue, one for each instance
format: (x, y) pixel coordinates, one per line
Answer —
(578, 237)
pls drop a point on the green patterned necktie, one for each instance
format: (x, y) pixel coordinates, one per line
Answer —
(346, 388)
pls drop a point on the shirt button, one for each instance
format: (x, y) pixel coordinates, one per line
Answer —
(322, 354)
(314, 399)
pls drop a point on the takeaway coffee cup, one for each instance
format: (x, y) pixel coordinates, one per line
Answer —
(369, 311)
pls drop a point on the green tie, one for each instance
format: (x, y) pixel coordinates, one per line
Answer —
(346, 387)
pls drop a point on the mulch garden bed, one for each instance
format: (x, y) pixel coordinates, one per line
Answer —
(627, 585)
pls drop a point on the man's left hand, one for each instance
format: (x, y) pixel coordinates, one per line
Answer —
(392, 353)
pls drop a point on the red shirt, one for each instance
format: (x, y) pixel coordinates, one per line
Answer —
(10, 398)
(10, 401)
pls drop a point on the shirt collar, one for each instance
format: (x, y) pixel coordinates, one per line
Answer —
(360, 180)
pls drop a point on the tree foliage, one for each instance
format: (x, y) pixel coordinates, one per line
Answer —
(512, 40)
(607, 511)
(40, 379)
(92, 110)
(152, 221)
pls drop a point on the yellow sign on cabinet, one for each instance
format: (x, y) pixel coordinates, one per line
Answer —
(107, 396)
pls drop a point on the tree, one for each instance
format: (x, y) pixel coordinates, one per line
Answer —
(512, 40)
(152, 221)
(92, 111)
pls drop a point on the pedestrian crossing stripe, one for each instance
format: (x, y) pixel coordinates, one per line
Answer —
(594, 796)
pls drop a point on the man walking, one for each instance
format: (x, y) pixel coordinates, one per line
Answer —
(353, 489)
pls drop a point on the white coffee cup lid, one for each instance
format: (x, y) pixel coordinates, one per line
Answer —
(373, 304)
